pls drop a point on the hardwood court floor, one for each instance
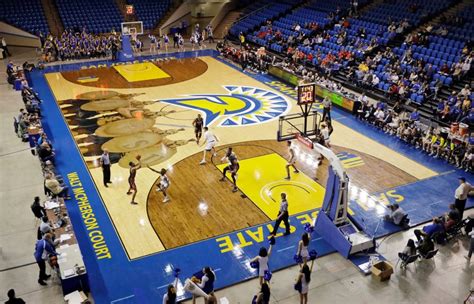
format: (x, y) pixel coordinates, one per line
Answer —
(131, 221)
(179, 70)
(202, 207)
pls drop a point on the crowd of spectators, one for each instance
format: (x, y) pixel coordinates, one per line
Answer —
(395, 120)
(439, 142)
(416, 80)
(250, 58)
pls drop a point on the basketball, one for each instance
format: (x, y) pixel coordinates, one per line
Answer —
(138, 157)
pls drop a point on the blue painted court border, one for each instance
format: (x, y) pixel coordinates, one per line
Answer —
(144, 280)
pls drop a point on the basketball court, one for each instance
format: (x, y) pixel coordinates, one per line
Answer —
(146, 107)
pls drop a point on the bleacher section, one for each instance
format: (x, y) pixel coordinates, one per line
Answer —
(262, 11)
(150, 11)
(414, 11)
(463, 32)
(96, 16)
(25, 14)
(329, 36)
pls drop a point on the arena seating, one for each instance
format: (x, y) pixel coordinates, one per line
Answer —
(25, 14)
(95, 16)
(385, 24)
(150, 11)
(463, 32)
(414, 11)
(262, 11)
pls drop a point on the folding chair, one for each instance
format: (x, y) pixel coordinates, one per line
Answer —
(429, 255)
(406, 261)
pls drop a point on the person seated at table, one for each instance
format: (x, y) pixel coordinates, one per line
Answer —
(55, 188)
(44, 139)
(409, 250)
(396, 216)
(429, 230)
(45, 227)
(45, 152)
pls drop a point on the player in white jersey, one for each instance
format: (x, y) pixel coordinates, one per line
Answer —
(210, 140)
(325, 133)
(163, 184)
(291, 160)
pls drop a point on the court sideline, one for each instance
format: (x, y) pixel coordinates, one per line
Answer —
(334, 277)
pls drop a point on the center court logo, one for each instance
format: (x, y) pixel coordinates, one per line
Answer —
(243, 105)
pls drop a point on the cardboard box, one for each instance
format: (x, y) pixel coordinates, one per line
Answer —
(382, 271)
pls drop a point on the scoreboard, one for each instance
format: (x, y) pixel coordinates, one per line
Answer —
(306, 93)
(129, 9)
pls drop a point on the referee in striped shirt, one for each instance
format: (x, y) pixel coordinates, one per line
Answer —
(283, 216)
(105, 163)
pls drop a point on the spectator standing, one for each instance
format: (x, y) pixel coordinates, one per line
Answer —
(37, 209)
(461, 196)
(42, 251)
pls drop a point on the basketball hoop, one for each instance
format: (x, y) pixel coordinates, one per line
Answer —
(132, 28)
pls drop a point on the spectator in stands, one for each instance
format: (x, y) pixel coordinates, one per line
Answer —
(465, 92)
(12, 299)
(241, 39)
(466, 66)
(429, 230)
(415, 115)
